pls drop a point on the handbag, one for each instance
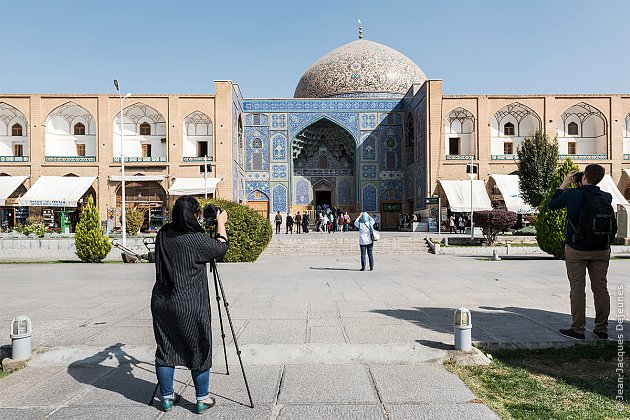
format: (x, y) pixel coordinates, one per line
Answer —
(374, 234)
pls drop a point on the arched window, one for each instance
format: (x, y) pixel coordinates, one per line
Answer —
(572, 129)
(323, 162)
(16, 130)
(79, 129)
(508, 129)
(145, 129)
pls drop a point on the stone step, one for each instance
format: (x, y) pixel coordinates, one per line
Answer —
(343, 244)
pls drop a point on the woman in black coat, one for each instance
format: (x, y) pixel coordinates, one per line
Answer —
(180, 302)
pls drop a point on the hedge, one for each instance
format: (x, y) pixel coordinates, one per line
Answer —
(248, 232)
(550, 224)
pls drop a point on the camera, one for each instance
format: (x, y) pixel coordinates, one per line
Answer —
(210, 215)
(577, 178)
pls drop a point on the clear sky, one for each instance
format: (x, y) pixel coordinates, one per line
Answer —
(160, 46)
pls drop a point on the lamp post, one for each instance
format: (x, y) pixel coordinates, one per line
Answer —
(471, 174)
(122, 165)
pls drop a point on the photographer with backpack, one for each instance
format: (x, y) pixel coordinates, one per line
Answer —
(591, 225)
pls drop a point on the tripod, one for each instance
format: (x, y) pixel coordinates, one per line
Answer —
(220, 293)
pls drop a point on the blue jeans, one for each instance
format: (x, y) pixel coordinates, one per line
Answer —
(368, 249)
(166, 375)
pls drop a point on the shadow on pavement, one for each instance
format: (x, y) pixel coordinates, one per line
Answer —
(334, 268)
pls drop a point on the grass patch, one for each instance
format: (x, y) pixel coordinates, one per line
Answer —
(578, 382)
(3, 373)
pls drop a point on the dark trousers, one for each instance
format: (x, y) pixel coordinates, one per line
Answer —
(596, 262)
(278, 227)
(289, 229)
(299, 227)
(367, 249)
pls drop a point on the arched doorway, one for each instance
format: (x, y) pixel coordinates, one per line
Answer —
(259, 202)
(324, 161)
(148, 196)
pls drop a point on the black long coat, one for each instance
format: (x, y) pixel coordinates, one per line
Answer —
(179, 302)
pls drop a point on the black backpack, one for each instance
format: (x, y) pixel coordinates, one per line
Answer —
(597, 224)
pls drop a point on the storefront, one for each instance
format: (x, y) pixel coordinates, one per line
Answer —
(58, 199)
(197, 187)
(11, 188)
(144, 193)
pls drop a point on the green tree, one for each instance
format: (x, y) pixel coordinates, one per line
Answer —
(89, 241)
(550, 224)
(494, 221)
(538, 160)
(134, 218)
(248, 232)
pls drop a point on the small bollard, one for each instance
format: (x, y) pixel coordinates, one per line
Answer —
(495, 255)
(436, 249)
(445, 241)
(21, 337)
(508, 249)
(462, 327)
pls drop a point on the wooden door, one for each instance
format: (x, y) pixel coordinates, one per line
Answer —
(260, 207)
(389, 214)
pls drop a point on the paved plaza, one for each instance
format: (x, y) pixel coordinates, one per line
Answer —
(319, 338)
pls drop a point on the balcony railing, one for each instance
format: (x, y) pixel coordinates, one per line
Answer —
(141, 159)
(512, 156)
(459, 157)
(70, 158)
(585, 157)
(626, 156)
(13, 158)
(196, 159)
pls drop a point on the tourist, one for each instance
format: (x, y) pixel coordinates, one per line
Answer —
(584, 250)
(331, 222)
(451, 224)
(289, 227)
(340, 220)
(365, 225)
(278, 221)
(401, 221)
(346, 222)
(298, 222)
(412, 219)
(180, 302)
(305, 223)
(461, 224)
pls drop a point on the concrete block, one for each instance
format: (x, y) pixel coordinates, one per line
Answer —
(331, 411)
(10, 365)
(440, 412)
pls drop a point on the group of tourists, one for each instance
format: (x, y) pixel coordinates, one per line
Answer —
(300, 222)
(458, 223)
(406, 220)
(332, 220)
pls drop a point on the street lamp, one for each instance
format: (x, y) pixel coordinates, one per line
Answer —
(122, 165)
(471, 174)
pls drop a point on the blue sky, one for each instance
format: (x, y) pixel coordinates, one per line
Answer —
(160, 46)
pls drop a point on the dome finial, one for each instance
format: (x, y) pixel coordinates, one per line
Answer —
(360, 29)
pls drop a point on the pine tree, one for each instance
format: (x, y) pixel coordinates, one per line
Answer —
(550, 224)
(91, 245)
(538, 160)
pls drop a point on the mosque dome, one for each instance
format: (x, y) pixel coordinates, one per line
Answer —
(358, 69)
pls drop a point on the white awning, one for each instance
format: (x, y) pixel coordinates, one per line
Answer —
(607, 184)
(57, 191)
(137, 178)
(193, 186)
(458, 195)
(508, 185)
(8, 185)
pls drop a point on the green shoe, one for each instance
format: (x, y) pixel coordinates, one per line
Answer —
(169, 403)
(203, 406)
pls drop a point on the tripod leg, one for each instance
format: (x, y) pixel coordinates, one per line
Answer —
(154, 392)
(213, 268)
(229, 317)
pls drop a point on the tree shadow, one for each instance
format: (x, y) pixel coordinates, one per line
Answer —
(334, 269)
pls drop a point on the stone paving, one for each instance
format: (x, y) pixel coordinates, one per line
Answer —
(319, 338)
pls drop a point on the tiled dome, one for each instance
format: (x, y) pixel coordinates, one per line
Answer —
(359, 68)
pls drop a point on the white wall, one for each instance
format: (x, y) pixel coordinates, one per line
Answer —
(526, 128)
(591, 138)
(59, 138)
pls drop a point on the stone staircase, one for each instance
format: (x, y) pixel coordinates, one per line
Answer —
(344, 244)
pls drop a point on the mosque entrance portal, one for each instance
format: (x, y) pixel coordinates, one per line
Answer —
(324, 166)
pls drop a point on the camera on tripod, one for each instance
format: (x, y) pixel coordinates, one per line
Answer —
(210, 217)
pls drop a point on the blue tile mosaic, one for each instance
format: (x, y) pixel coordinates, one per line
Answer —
(369, 121)
(279, 171)
(368, 146)
(368, 195)
(278, 121)
(303, 192)
(344, 191)
(256, 141)
(368, 171)
(347, 120)
(279, 194)
(278, 147)
(257, 185)
(301, 105)
(257, 176)
(262, 196)
(390, 147)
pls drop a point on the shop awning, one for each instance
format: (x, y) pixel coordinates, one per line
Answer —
(57, 191)
(137, 178)
(193, 186)
(607, 184)
(458, 195)
(8, 185)
(508, 185)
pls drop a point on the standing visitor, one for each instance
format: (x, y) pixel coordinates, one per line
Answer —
(278, 221)
(346, 222)
(461, 224)
(180, 303)
(451, 224)
(289, 224)
(340, 220)
(305, 220)
(587, 246)
(298, 222)
(365, 225)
